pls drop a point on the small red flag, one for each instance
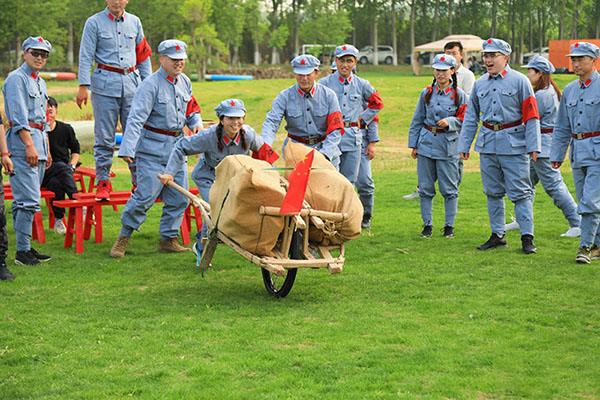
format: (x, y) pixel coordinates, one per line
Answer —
(265, 153)
(292, 203)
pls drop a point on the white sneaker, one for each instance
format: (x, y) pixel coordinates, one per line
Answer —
(513, 226)
(573, 231)
(412, 196)
(59, 227)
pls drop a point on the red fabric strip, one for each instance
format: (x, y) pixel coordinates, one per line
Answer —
(530, 109)
(334, 121)
(375, 102)
(192, 107)
(142, 51)
(460, 113)
(265, 153)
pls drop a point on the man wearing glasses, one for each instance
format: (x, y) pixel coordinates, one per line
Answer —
(503, 100)
(115, 40)
(25, 104)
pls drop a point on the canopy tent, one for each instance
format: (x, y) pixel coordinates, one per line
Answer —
(469, 43)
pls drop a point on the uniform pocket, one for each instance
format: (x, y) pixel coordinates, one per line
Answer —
(596, 145)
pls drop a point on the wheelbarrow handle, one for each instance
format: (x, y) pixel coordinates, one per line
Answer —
(198, 202)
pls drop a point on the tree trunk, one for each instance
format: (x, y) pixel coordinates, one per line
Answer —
(274, 51)
(256, 54)
(435, 21)
(70, 45)
(574, 20)
(412, 37)
(530, 30)
(494, 15)
(512, 29)
(375, 40)
(18, 45)
(296, 25)
(450, 17)
(235, 59)
(560, 10)
(521, 36)
(394, 36)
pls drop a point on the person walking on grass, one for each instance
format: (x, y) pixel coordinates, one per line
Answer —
(578, 126)
(58, 178)
(433, 138)
(5, 274)
(503, 100)
(115, 40)
(547, 95)
(25, 105)
(311, 111)
(163, 105)
(230, 136)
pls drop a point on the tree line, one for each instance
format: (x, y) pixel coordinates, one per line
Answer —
(231, 32)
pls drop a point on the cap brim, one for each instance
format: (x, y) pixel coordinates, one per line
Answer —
(303, 70)
(38, 47)
(347, 54)
(237, 113)
(441, 66)
(176, 56)
(526, 66)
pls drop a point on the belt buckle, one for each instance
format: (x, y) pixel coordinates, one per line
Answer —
(579, 135)
(312, 141)
(126, 71)
(496, 127)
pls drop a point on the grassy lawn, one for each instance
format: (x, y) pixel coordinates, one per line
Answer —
(407, 318)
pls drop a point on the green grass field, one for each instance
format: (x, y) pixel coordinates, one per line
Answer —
(407, 318)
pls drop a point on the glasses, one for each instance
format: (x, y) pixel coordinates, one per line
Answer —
(491, 55)
(345, 61)
(43, 54)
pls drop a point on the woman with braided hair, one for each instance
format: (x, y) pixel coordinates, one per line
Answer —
(433, 137)
(230, 136)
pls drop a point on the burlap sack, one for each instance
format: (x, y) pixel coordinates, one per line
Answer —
(328, 190)
(249, 186)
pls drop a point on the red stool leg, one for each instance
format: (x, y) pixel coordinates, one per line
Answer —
(79, 230)
(37, 231)
(70, 228)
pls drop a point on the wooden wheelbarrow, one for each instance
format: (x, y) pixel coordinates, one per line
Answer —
(293, 249)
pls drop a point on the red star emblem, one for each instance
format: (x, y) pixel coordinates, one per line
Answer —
(443, 58)
(177, 48)
(40, 40)
(489, 41)
(302, 62)
(576, 45)
(344, 48)
(232, 104)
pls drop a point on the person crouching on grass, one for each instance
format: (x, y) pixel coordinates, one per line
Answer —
(163, 104)
(433, 137)
(230, 136)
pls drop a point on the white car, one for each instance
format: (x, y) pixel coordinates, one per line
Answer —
(536, 52)
(385, 55)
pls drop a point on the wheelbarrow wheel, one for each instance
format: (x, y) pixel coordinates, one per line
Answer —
(280, 286)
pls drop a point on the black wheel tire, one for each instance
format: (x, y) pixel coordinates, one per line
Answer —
(280, 286)
(363, 60)
(389, 60)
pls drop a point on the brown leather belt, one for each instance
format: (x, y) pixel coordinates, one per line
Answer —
(434, 129)
(307, 141)
(348, 124)
(499, 127)
(549, 130)
(122, 71)
(31, 124)
(584, 135)
(162, 131)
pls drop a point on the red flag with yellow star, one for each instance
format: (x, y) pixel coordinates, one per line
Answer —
(292, 203)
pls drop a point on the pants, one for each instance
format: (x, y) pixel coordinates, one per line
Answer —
(350, 164)
(335, 160)
(149, 189)
(3, 233)
(107, 112)
(587, 189)
(447, 173)
(58, 178)
(364, 181)
(25, 184)
(507, 175)
(552, 182)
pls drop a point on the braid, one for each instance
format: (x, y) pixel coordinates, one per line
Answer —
(455, 87)
(243, 137)
(428, 95)
(220, 136)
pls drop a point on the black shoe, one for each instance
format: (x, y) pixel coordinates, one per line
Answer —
(427, 230)
(583, 255)
(493, 242)
(5, 274)
(26, 258)
(528, 246)
(448, 232)
(366, 222)
(41, 257)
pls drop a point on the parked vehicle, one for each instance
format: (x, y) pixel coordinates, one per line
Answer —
(424, 58)
(536, 52)
(385, 55)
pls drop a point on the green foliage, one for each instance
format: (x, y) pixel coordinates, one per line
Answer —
(322, 24)
(279, 37)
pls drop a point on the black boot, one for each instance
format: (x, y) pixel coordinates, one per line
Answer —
(528, 246)
(366, 221)
(5, 274)
(493, 242)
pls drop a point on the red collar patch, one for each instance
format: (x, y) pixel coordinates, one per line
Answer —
(341, 79)
(503, 73)
(236, 139)
(312, 91)
(170, 79)
(112, 17)
(586, 83)
(33, 75)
